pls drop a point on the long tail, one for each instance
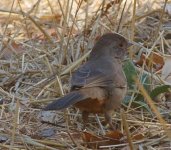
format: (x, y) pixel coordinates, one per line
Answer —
(66, 101)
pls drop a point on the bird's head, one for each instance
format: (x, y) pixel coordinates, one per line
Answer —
(111, 44)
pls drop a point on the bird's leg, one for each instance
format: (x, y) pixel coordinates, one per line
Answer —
(85, 115)
(108, 119)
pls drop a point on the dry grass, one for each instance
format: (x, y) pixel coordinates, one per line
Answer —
(42, 42)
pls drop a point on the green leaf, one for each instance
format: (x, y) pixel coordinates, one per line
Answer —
(126, 100)
(158, 90)
(145, 81)
(130, 72)
(144, 105)
(139, 97)
(140, 103)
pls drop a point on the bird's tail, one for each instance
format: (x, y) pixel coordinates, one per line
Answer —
(64, 102)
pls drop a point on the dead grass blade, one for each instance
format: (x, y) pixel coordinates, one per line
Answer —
(126, 129)
(153, 107)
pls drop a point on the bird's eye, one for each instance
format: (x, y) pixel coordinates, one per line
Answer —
(121, 45)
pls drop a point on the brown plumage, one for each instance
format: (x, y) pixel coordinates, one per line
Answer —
(99, 85)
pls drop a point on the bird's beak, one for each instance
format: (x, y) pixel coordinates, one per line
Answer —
(130, 44)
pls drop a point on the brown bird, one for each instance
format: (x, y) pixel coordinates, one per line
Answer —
(99, 85)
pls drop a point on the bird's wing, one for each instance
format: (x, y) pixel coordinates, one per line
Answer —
(91, 75)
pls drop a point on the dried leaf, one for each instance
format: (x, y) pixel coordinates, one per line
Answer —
(47, 132)
(155, 60)
(10, 49)
(94, 141)
(168, 8)
(166, 70)
(50, 18)
(137, 137)
(114, 134)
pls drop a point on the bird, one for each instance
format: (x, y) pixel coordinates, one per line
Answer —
(99, 85)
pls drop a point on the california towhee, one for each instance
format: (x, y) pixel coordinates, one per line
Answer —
(99, 85)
